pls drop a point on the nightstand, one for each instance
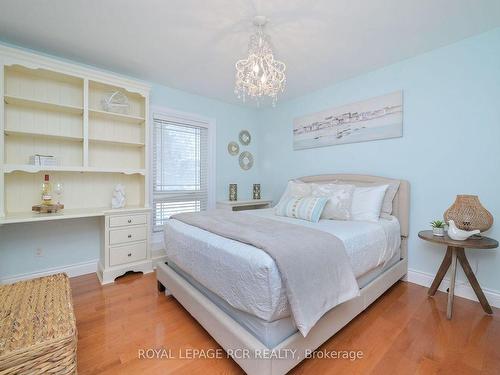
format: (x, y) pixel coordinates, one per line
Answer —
(125, 243)
(251, 204)
(455, 251)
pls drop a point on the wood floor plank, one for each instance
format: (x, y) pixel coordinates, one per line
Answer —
(403, 332)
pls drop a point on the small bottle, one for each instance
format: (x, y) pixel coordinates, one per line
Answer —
(46, 191)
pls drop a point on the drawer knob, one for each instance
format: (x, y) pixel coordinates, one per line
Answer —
(129, 254)
(129, 236)
(129, 221)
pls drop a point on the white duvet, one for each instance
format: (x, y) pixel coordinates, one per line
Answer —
(248, 279)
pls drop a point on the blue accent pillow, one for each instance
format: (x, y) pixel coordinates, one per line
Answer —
(306, 208)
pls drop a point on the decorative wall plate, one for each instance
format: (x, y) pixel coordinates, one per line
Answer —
(233, 148)
(246, 160)
(245, 137)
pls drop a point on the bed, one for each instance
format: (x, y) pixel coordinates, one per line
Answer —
(251, 312)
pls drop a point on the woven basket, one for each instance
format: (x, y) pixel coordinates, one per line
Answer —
(468, 214)
(37, 327)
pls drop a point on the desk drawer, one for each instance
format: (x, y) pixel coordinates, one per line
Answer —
(131, 234)
(127, 254)
(120, 221)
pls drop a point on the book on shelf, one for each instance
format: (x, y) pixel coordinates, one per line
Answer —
(44, 160)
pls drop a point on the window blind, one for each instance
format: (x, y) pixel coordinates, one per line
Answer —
(180, 168)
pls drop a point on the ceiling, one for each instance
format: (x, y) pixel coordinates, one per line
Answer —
(192, 45)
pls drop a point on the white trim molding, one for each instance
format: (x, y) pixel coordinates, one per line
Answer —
(462, 289)
(37, 60)
(208, 122)
(211, 125)
(71, 270)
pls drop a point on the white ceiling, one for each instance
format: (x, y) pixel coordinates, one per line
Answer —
(193, 45)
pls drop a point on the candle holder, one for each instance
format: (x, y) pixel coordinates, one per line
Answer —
(233, 192)
(256, 191)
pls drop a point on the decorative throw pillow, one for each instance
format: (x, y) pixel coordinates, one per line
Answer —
(339, 202)
(295, 189)
(367, 202)
(389, 194)
(306, 208)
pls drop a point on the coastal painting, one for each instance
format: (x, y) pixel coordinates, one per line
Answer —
(368, 120)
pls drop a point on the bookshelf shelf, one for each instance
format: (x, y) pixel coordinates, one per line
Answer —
(117, 142)
(28, 168)
(38, 104)
(95, 113)
(43, 135)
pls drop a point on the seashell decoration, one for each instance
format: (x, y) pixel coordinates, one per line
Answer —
(116, 102)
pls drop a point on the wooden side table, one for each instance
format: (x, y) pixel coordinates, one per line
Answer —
(455, 250)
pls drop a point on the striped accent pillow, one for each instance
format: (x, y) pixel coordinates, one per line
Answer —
(306, 208)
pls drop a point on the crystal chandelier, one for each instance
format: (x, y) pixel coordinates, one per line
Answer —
(259, 74)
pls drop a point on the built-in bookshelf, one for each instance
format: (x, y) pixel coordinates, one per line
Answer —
(55, 108)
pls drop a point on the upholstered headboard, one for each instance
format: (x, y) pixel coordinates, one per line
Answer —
(400, 204)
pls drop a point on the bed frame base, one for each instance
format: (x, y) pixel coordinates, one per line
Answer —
(232, 336)
(163, 289)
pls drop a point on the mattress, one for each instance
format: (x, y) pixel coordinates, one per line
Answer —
(247, 278)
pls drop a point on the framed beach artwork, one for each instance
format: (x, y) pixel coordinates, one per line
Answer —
(367, 120)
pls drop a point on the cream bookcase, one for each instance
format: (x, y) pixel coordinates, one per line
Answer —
(55, 108)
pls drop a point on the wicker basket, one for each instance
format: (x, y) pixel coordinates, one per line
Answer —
(468, 214)
(37, 327)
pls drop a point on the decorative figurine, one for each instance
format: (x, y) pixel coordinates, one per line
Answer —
(458, 234)
(118, 200)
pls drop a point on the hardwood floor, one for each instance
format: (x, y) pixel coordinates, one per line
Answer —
(404, 332)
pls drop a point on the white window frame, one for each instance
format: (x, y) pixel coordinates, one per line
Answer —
(206, 122)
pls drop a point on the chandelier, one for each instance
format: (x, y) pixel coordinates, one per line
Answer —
(259, 74)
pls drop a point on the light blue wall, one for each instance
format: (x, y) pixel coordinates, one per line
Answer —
(68, 242)
(450, 143)
(450, 146)
(63, 243)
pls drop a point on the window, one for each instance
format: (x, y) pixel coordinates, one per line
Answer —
(180, 167)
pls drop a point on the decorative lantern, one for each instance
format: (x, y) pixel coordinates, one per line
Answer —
(468, 214)
(233, 192)
(256, 191)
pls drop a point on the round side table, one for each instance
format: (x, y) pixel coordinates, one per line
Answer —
(455, 250)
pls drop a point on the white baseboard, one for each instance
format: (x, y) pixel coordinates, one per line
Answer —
(158, 255)
(462, 289)
(72, 270)
(77, 269)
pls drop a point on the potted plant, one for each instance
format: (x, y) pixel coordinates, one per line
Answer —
(438, 227)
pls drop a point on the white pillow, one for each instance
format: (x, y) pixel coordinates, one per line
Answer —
(339, 202)
(295, 189)
(389, 194)
(389, 197)
(367, 202)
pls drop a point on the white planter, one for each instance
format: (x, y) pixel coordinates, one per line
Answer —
(438, 232)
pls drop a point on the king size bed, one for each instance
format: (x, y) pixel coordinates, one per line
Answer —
(253, 303)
